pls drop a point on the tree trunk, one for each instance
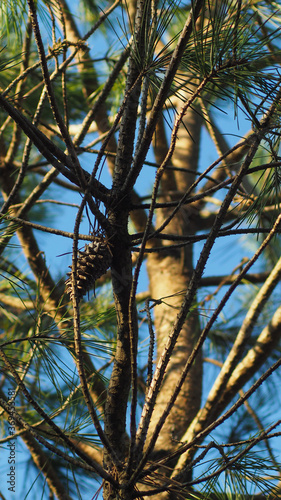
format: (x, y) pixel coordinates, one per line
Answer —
(169, 273)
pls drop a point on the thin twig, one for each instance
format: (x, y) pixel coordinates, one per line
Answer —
(46, 229)
(193, 285)
(61, 434)
(51, 96)
(78, 339)
(89, 465)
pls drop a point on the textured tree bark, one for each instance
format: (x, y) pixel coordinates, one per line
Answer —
(90, 84)
(169, 273)
(120, 380)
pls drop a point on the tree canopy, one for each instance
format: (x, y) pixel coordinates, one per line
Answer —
(140, 316)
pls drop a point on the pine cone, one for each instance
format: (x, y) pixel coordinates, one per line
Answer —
(92, 263)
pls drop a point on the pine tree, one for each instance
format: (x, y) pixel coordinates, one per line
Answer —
(150, 130)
